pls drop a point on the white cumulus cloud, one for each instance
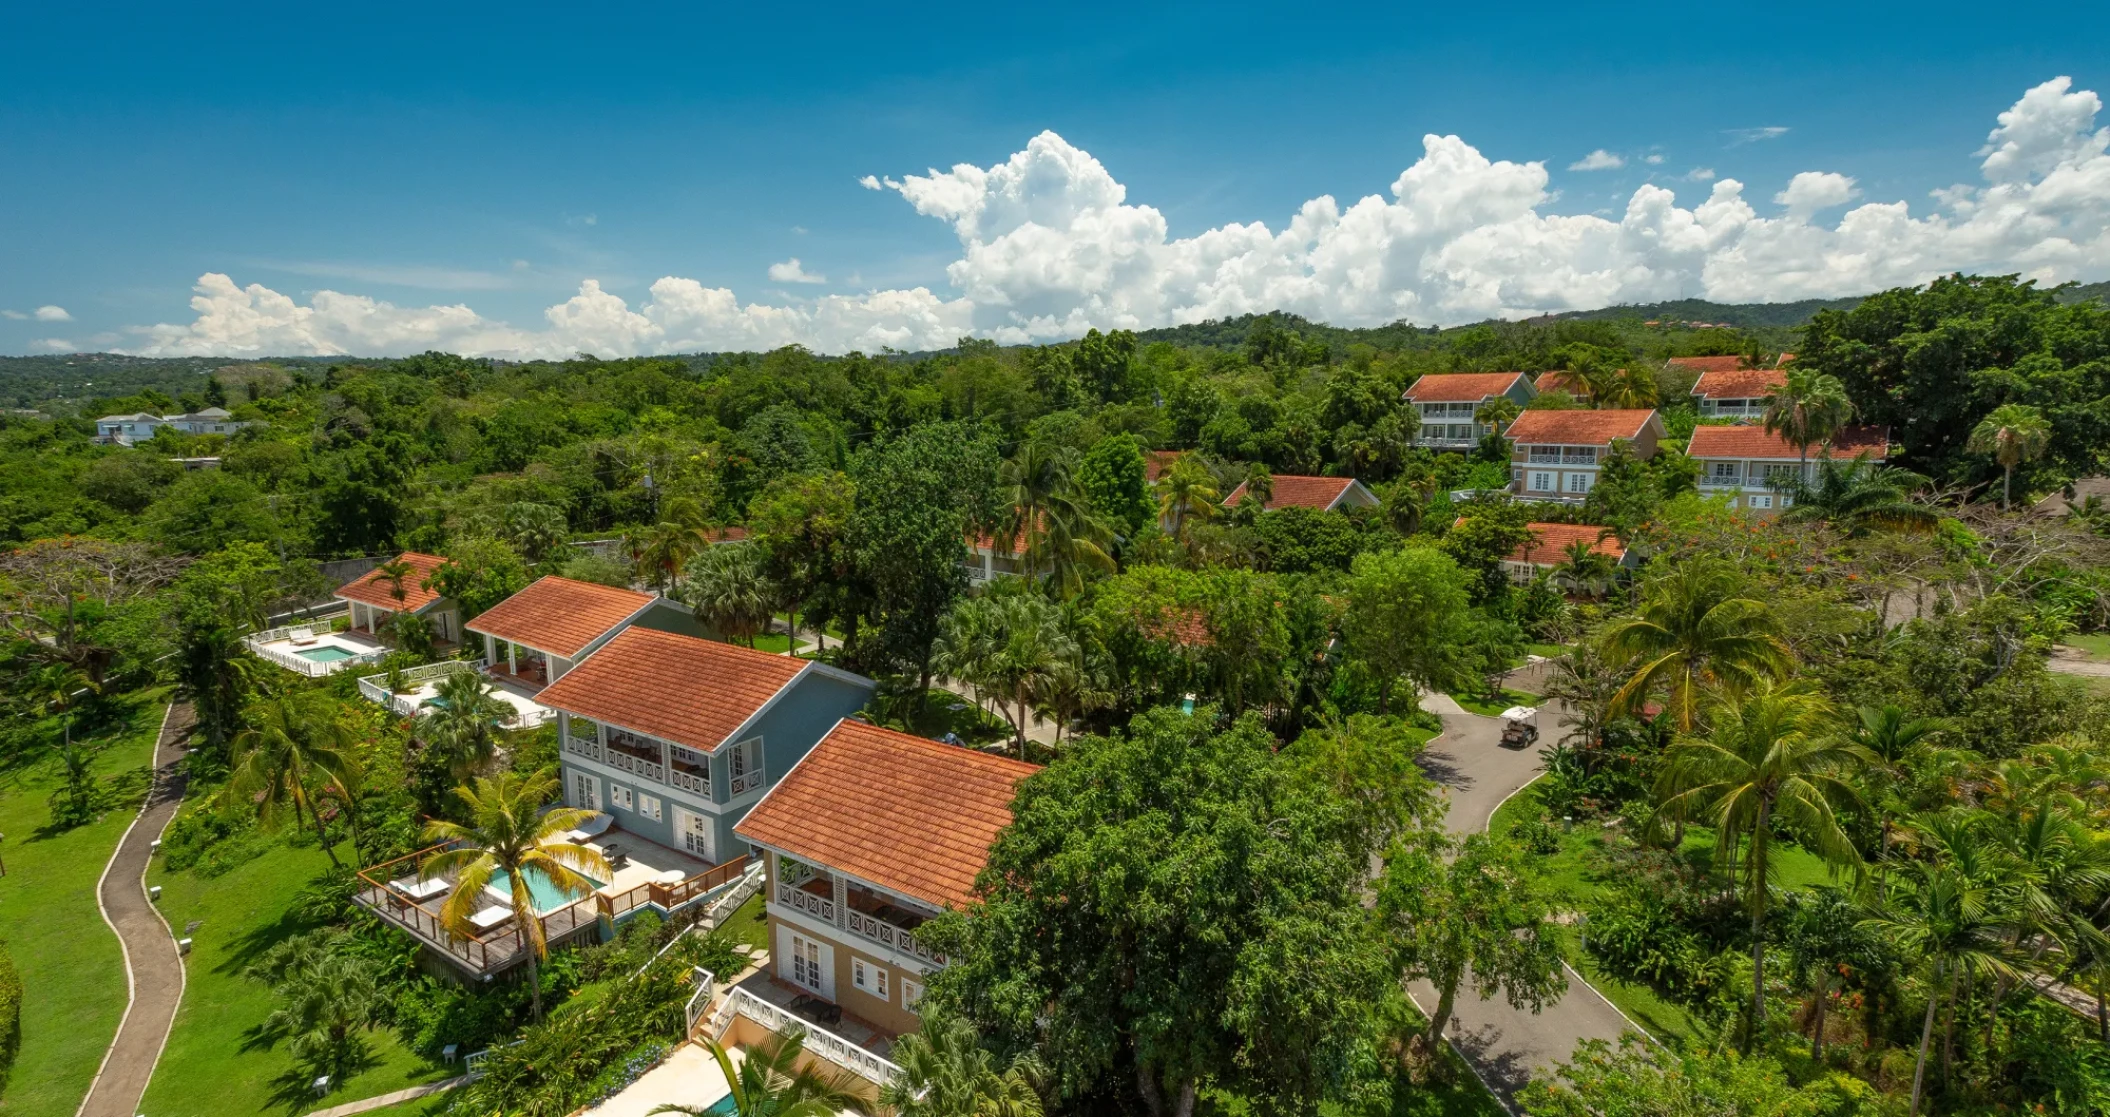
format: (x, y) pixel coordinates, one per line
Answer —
(1599, 160)
(1050, 245)
(53, 314)
(54, 345)
(791, 272)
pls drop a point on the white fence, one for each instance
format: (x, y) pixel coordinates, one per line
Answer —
(293, 661)
(819, 1041)
(706, 988)
(375, 689)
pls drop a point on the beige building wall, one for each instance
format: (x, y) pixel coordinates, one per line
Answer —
(888, 1015)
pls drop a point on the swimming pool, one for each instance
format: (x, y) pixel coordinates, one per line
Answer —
(328, 653)
(547, 896)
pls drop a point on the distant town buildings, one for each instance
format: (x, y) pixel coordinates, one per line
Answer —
(124, 430)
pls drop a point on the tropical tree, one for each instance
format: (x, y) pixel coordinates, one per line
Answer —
(730, 589)
(297, 747)
(509, 834)
(2014, 433)
(1583, 570)
(1857, 496)
(325, 1001)
(537, 531)
(1047, 510)
(1496, 414)
(946, 1072)
(1770, 763)
(460, 726)
(772, 1082)
(399, 574)
(1888, 735)
(217, 674)
(1408, 617)
(1695, 633)
(1012, 646)
(1809, 409)
(1186, 490)
(1478, 914)
(1947, 917)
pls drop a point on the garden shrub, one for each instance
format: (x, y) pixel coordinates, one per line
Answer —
(10, 1014)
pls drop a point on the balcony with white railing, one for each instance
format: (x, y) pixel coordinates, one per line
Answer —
(880, 920)
(769, 1017)
(814, 897)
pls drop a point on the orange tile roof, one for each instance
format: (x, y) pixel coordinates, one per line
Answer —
(679, 688)
(1709, 364)
(1561, 380)
(1579, 428)
(1461, 387)
(1741, 383)
(1292, 491)
(1182, 625)
(1757, 442)
(558, 615)
(1156, 463)
(910, 815)
(1550, 543)
(371, 588)
(732, 534)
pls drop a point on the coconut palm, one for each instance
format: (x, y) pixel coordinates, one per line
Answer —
(1187, 489)
(771, 1082)
(1858, 496)
(1623, 387)
(661, 550)
(2012, 434)
(1809, 409)
(1013, 647)
(1949, 918)
(1583, 570)
(297, 748)
(217, 674)
(946, 1072)
(397, 573)
(508, 833)
(325, 1001)
(1048, 512)
(535, 530)
(1694, 633)
(1769, 761)
(730, 589)
(460, 723)
(1889, 734)
(1259, 486)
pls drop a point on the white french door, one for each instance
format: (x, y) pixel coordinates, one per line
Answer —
(807, 963)
(699, 834)
(584, 791)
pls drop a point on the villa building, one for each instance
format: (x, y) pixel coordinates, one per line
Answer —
(1447, 403)
(1739, 393)
(1555, 455)
(1548, 549)
(124, 430)
(543, 631)
(1326, 494)
(874, 832)
(373, 597)
(1750, 463)
(990, 558)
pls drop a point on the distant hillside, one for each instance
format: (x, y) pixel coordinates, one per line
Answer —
(2082, 292)
(1742, 316)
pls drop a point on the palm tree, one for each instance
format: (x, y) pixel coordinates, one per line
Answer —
(1769, 761)
(1048, 511)
(217, 674)
(298, 747)
(663, 549)
(535, 530)
(1809, 409)
(1947, 916)
(1888, 734)
(1014, 646)
(508, 833)
(460, 722)
(946, 1072)
(1259, 486)
(2012, 434)
(730, 589)
(1186, 490)
(771, 1082)
(1583, 571)
(396, 572)
(1858, 496)
(325, 1002)
(1694, 633)
(1625, 387)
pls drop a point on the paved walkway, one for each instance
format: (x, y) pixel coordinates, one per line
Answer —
(383, 1101)
(1505, 1045)
(152, 967)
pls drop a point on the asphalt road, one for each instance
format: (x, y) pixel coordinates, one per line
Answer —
(1506, 1045)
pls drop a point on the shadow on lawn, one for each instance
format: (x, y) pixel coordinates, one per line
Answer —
(295, 1088)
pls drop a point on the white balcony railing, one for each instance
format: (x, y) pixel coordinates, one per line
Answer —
(798, 899)
(582, 746)
(819, 1041)
(697, 782)
(635, 765)
(898, 939)
(706, 988)
(407, 703)
(746, 782)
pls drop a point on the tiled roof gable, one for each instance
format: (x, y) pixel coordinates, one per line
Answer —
(1578, 428)
(1293, 491)
(678, 688)
(1461, 387)
(371, 588)
(558, 615)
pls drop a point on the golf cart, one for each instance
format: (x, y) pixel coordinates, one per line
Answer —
(1520, 727)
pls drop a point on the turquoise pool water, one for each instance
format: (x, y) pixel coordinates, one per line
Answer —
(548, 897)
(328, 653)
(723, 1107)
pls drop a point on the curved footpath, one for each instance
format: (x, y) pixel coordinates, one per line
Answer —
(153, 969)
(1505, 1045)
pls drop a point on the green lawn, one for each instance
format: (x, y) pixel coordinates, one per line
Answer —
(215, 1063)
(73, 975)
(1548, 651)
(945, 712)
(1575, 874)
(776, 642)
(2096, 644)
(1483, 707)
(750, 924)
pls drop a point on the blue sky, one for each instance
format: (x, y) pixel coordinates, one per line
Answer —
(498, 156)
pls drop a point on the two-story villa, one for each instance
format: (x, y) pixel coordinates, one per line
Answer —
(1326, 494)
(1739, 393)
(1447, 403)
(1748, 463)
(873, 833)
(124, 430)
(1555, 455)
(373, 598)
(1548, 548)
